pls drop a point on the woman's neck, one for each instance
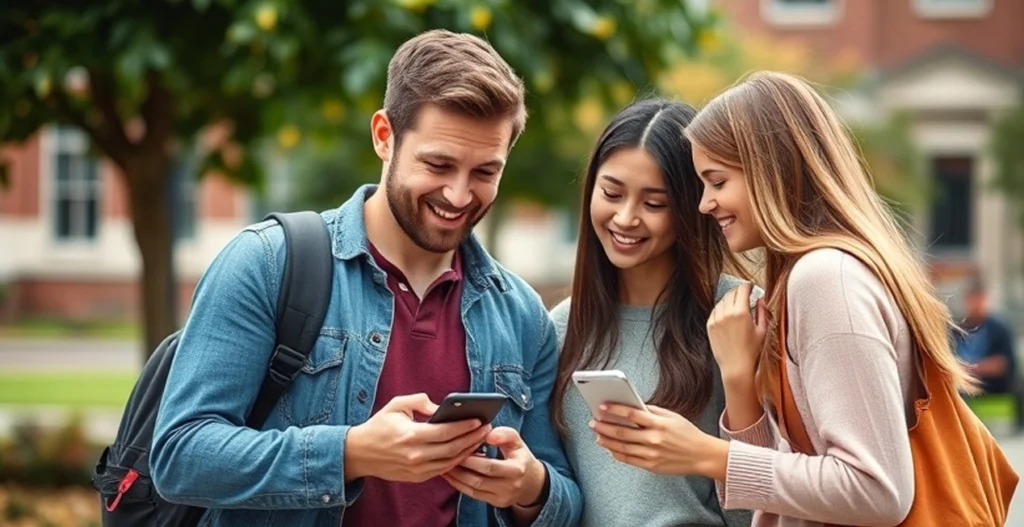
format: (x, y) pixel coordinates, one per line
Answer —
(643, 284)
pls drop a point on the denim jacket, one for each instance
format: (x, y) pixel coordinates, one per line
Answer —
(292, 472)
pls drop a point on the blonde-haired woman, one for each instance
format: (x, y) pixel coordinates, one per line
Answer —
(781, 173)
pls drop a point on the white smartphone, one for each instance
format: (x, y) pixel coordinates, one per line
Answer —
(608, 386)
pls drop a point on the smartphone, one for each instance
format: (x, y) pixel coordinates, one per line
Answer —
(463, 406)
(608, 386)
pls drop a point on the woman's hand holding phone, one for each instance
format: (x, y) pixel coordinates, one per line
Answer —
(664, 443)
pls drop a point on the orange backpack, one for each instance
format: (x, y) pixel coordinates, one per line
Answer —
(961, 476)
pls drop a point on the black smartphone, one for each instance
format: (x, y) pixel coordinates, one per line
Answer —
(463, 406)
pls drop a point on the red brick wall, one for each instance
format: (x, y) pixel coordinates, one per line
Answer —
(998, 36)
(21, 197)
(218, 198)
(115, 192)
(81, 300)
(886, 33)
(853, 34)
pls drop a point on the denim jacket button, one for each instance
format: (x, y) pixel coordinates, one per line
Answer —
(325, 498)
(362, 396)
(375, 338)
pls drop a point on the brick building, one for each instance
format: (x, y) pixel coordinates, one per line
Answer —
(67, 249)
(953, 66)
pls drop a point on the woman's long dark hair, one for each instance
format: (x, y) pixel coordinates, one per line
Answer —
(680, 320)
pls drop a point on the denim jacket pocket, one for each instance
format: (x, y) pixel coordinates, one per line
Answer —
(312, 396)
(510, 381)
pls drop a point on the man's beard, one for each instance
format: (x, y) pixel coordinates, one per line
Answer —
(405, 209)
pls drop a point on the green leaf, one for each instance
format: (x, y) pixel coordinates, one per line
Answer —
(241, 32)
(284, 49)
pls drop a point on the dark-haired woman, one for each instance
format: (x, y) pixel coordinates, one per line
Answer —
(648, 274)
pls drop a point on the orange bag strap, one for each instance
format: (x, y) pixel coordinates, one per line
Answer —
(786, 412)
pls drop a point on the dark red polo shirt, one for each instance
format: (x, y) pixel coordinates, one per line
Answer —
(426, 353)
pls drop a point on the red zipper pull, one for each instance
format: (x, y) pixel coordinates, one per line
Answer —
(126, 483)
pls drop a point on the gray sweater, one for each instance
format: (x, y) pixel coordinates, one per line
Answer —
(617, 494)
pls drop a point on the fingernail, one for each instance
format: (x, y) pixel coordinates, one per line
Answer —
(603, 407)
(592, 424)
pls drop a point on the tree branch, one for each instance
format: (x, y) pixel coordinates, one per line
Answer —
(115, 152)
(104, 95)
(157, 112)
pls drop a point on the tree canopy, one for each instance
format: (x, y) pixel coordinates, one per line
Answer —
(142, 78)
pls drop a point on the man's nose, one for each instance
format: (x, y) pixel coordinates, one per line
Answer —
(457, 193)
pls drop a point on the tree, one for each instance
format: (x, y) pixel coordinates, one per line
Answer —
(570, 53)
(142, 78)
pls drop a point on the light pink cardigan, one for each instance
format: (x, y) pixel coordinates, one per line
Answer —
(852, 371)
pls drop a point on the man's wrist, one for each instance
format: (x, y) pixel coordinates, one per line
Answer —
(540, 495)
(353, 448)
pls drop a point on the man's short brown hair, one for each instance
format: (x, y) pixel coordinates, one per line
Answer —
(457, 72)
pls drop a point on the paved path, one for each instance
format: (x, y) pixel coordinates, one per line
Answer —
(70, 355)
(66, 355)
(1014, 448)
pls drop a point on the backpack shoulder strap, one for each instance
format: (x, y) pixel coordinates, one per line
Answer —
(301, 305)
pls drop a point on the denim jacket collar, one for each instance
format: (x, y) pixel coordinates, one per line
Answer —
(350, 241)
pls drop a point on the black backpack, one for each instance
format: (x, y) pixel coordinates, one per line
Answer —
(122, 476)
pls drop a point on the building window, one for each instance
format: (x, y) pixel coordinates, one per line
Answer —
(76, 188)
(952, 8)
(952, 214)
(801, 12)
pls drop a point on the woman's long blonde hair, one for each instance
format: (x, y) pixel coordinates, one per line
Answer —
(809, 190)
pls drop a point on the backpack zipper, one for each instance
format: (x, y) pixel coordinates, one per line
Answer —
(126, 483)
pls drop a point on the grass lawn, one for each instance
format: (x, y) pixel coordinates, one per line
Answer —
(66, 388)
(43, 328)
(993, 407)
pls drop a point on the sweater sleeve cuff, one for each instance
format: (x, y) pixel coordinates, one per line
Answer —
(749, 477)
(760, 433)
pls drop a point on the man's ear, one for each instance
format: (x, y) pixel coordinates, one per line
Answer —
(380, 132)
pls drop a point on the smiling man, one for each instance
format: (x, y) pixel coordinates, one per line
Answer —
(418, 310)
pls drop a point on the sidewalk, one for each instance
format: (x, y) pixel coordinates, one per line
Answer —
(65, 355)
(1014, 449)
(70, 355)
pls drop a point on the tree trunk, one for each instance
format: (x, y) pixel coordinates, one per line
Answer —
(153, 234)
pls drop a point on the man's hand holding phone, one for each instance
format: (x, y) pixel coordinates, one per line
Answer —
(393, 446)
(518, 479)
